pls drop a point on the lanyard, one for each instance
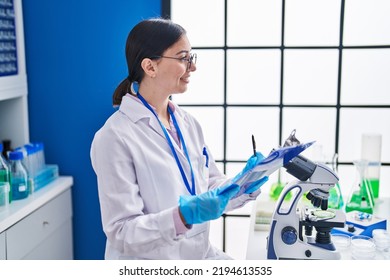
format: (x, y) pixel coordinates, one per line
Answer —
(183, 175)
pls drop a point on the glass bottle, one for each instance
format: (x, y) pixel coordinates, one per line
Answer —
(4, 180)
(18, 175)
(29, 163)
(361, 197)
(371, 151)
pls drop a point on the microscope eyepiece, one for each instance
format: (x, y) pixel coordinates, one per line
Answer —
(316, 202)
(300, 167)
(324, 204)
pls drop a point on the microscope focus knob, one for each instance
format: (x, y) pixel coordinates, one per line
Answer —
(289, 235)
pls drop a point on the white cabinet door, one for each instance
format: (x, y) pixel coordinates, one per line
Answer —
(45, 233)
(58, 246)
(2, 246)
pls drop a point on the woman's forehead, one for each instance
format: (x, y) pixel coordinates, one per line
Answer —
(181, 46)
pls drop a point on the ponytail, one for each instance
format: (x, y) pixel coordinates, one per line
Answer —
(120, 91)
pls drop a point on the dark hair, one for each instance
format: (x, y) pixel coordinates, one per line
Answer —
(151, 37)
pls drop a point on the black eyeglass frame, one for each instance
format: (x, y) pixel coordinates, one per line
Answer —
(190, 60)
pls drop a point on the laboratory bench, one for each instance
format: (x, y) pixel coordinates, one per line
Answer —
(258, 233)
(39, 226)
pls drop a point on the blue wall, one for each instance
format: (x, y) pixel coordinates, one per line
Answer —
(75, 59)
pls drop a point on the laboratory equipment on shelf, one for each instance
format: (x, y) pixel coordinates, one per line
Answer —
(294, 223)
(19, 176)
(361, 197)
(4, 181)
(39, 173)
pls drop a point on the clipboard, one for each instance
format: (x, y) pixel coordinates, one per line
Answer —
(275, 160)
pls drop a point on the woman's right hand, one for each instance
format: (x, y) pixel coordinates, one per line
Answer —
(206, 206)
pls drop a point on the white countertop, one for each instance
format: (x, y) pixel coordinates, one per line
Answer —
(18, 209)
(257, 240)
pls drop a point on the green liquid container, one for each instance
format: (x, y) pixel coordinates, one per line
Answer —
(4, 175)
(335, 200)
(5, 195)
(4, 189)
(276, 190)
(361, 197)
(359, 203)
(374, 183)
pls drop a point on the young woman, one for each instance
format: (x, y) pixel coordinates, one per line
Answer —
(158, 183)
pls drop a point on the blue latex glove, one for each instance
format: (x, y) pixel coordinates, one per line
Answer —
(206, 206)
(252, 162)
(256, 185)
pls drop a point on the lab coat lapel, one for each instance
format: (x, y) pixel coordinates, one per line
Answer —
(136, 111)
(183, 125)
(184, 128)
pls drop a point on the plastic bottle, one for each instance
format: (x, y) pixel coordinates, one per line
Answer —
(5, 197)
(18, 175)
(40, 155)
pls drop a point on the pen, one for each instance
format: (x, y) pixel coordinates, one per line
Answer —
(254, 145)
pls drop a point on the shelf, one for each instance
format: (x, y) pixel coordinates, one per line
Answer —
(13, 87)
(13, 82)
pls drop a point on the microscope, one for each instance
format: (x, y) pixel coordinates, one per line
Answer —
(301, 230)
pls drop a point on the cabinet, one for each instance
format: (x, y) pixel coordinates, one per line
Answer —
(2, 246)
(39, 227)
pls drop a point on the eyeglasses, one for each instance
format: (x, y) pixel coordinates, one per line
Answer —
(189, 60)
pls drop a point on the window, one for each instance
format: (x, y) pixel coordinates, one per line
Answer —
(267, 67)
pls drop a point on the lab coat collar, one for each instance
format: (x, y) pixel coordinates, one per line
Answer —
(133, 108)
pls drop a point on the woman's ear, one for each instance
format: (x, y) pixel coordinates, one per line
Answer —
(149, 67)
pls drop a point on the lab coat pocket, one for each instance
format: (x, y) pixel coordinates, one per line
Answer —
(204, 164)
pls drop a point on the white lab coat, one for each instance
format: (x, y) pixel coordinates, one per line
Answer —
(139, 185)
